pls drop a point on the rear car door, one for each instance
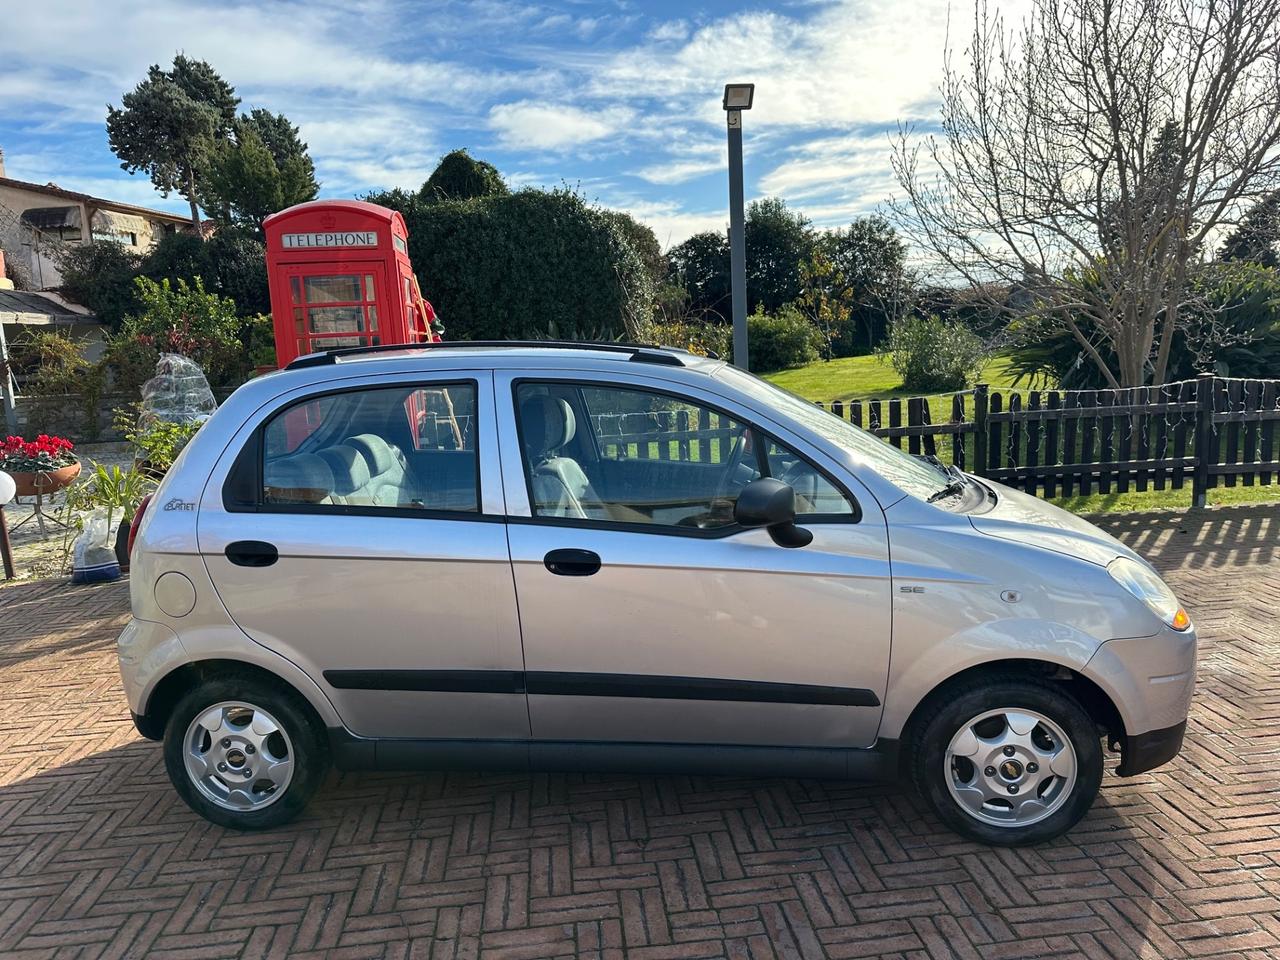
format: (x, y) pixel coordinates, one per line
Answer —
(648, 615)
(358, 530)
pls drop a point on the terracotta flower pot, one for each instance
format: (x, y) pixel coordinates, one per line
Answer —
(45, 483)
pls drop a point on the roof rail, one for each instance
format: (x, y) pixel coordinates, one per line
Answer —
(639, 352)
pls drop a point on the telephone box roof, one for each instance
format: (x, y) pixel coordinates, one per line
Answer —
(361, 207)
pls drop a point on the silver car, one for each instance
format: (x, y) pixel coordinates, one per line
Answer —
(557, 556)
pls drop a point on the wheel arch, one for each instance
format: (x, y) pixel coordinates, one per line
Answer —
(177, 682)
(1097, 703)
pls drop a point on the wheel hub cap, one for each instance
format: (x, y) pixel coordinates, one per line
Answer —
(1010, 767)
(1011, 770)
(238, 756)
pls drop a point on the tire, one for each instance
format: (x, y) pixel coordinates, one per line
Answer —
(262, 730)
(1037, 792)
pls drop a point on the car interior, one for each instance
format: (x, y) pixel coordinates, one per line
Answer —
(392, 447)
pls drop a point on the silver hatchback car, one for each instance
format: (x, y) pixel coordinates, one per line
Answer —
(558, 556)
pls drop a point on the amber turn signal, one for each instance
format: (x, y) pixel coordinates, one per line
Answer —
(1180, 620)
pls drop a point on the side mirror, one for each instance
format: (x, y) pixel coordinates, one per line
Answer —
(771, 504)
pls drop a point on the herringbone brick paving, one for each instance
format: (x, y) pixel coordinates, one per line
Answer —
(99, 859)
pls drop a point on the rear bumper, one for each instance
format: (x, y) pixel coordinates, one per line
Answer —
(1146, 751)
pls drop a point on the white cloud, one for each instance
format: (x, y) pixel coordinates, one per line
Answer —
(670, 31)
(855, 62)
(542, 126)
(672, 224)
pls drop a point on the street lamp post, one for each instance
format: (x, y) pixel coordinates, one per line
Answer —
(737, 97)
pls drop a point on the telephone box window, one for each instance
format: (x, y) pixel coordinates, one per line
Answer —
(341, 289)
(336, 319)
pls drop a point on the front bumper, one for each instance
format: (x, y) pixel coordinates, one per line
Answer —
(1150, 680)
(1146, 751)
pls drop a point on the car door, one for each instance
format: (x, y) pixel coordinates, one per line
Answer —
(357, 530)
(647, 615)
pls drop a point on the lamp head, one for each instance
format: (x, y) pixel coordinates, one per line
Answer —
(738, 96)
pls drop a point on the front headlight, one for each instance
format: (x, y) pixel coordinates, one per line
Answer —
(1142, 582)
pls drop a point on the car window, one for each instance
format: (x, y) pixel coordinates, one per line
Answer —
(649, 458)
(815, 494)
(909, 473)
(408, 447)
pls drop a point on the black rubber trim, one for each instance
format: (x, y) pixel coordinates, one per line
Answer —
(880, 761)
(1146, 751)
(693, 688)
(644, 352)
(439, 681)
(148, 726)
(631, 685)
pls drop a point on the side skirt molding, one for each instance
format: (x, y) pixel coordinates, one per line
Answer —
(878, 762)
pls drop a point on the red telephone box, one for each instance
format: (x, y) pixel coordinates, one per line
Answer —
(340, 276)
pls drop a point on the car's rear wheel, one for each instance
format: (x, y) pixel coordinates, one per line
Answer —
(1009, 762)
(244, 753)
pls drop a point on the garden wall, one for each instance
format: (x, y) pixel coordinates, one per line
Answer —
(67, 416)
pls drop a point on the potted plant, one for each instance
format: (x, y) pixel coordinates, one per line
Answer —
(41, 466)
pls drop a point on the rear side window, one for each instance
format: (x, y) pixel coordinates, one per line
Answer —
(411, 447)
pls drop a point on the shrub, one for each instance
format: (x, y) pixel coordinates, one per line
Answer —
(527, 265)
(99, 276)
(932, 355)
(231, 263)
(704, 339)
(180, 318)
(781, 340)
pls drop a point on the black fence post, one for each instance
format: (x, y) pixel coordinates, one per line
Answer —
(1205, 450)
(979, 430)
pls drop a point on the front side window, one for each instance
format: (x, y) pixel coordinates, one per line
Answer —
(409, 447)
(620, 455)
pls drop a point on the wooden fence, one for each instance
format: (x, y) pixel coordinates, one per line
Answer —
(1208, 432)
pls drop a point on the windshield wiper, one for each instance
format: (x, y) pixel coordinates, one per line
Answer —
(956, 484)
(952, 489)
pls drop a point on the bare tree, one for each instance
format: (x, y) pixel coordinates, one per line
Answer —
(1088, 159)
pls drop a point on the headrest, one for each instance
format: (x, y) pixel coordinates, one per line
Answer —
(350, 472)
(377, 452)
(547, 424)
(304, 478)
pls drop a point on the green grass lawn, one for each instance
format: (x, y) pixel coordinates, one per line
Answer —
(863, 378)
(860, 378)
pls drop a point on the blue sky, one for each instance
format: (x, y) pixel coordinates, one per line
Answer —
(619, 98)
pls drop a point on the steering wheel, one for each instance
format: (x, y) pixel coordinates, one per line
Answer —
(726, 487)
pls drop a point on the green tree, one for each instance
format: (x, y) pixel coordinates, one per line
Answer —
(701, 265)
(825, 298)
(264, 168)
(231, 263)
(1257, 237)
(870, 258)
(169, 123)
(778, 242)
(459, 176)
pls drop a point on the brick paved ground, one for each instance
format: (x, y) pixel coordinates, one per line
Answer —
(99, 859)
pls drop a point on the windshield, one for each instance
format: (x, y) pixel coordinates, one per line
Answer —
(903, 470)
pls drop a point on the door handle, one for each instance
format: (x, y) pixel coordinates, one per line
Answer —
(252, 553)
(572, 563)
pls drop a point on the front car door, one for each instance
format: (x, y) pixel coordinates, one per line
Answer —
(356, 528)
(648, 616)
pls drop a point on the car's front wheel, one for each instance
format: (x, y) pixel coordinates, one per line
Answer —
(1008, 762)
(244, 753)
